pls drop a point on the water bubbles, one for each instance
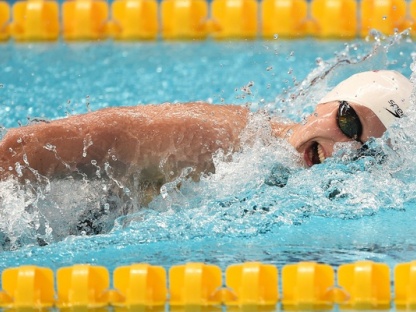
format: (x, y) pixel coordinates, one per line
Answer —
(87, 141)
(375, 35)
(98, 169)
(319, 61)
(25, 160)
(107, 208)
(18, 169)
(246, 89)
(164, 192)
(50, 147)
(87, 103)
(67, 107)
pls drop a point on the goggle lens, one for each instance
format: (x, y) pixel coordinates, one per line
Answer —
(348, 121)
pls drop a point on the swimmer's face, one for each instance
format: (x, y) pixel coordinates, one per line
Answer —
(315, 139)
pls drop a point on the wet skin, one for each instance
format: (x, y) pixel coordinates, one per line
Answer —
(160, 140)
(154, 142)
(320, 132)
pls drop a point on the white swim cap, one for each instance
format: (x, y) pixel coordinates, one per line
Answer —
(387, 93)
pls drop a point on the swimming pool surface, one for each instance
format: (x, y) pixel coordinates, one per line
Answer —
(337, 212)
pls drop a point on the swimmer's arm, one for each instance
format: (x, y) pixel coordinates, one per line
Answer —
(152, 139)
(282, 128)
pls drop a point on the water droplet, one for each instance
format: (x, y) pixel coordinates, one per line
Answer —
(319, 61)
(49, 147)
(164, 192)
(87, 103)
(18, 169)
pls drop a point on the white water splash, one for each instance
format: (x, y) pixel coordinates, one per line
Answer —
(259, 190)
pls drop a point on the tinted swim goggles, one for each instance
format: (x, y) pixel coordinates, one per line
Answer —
(348, 121)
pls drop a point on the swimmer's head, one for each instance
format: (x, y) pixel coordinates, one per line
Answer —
(359, 108)
(386, 92)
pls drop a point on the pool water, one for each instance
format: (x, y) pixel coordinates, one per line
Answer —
(341, 211)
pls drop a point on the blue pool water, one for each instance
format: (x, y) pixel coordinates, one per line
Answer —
(337, 212)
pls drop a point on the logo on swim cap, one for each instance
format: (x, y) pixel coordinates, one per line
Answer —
(380, 91)
(397, 110)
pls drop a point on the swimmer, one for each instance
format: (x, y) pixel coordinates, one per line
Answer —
(159, 141)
